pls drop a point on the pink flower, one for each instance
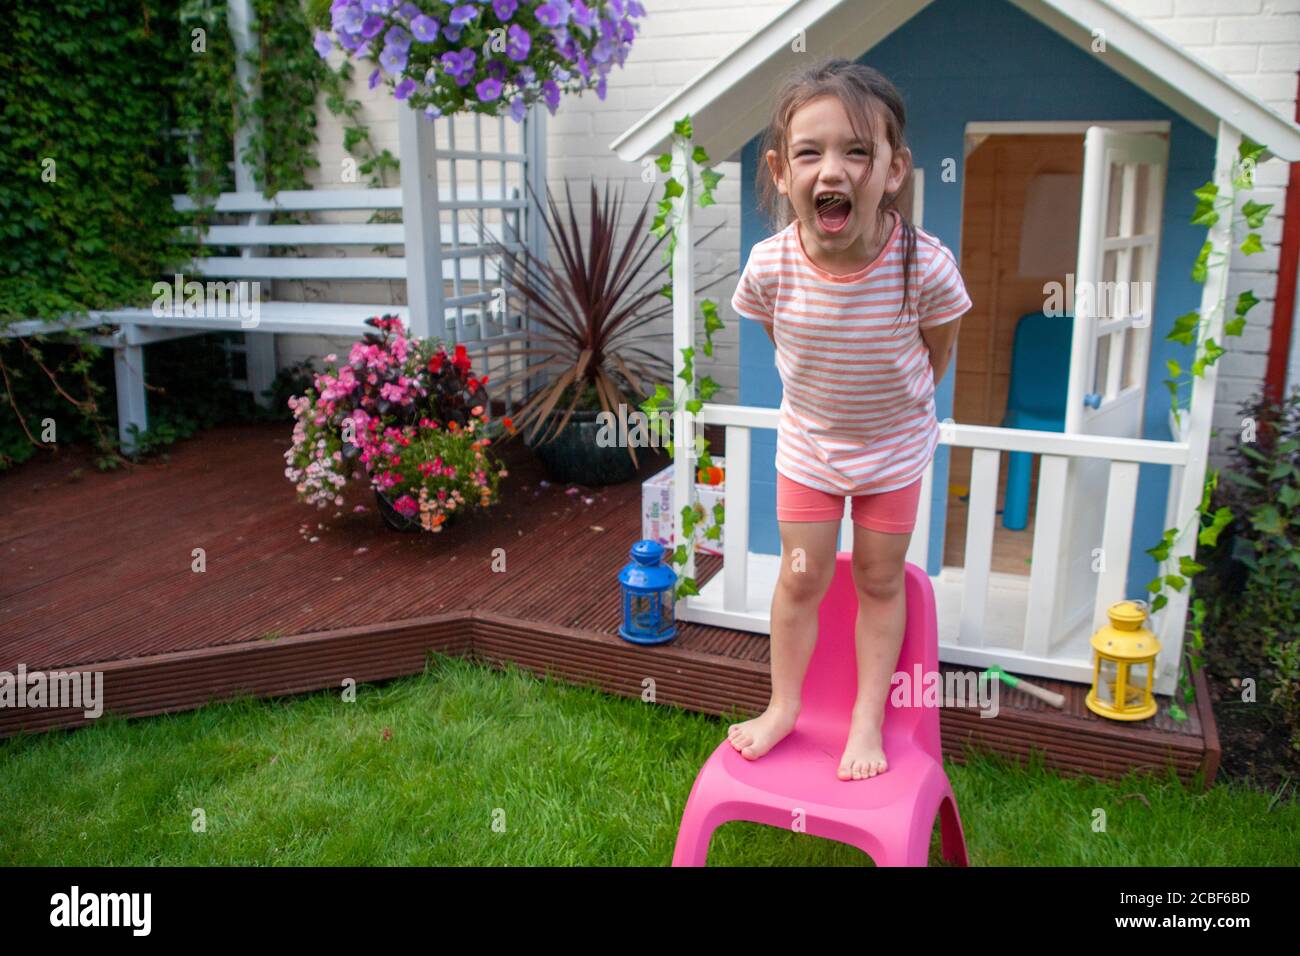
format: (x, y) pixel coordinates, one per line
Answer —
(405, 506)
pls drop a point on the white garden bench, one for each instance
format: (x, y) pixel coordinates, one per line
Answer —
(138, 327)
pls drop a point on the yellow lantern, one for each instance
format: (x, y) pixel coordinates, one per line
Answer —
(1123, 665)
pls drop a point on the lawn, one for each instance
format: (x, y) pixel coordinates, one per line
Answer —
(467, 765)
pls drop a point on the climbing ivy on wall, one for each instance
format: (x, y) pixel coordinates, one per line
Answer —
(107, 109)
(85, 176)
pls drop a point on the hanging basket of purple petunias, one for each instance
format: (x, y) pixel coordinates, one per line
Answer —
(496, 58)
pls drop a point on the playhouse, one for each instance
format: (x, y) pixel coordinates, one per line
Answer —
(1057, 145)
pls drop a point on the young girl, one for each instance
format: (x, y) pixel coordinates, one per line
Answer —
(863, 309)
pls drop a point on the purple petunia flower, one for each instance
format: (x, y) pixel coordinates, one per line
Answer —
(527, 74)
(582, 16)
(497, 70)
(552, 14)
(518, 109)
(409, 11)
(374, 79)
(452, 32)
(432, 112)
(459, 65)
(551, 93)
(518, 43)
(348, 19)
(378, 6)
(397, 38)
(488, 89)
(371, 27)
(323, 43)
(463, 14)
(600, 87)
(404, 88)
(393, 60)
(425, 28)
(504, 9)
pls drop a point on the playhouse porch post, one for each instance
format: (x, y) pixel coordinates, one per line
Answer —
(1200, 415)
(683, 337)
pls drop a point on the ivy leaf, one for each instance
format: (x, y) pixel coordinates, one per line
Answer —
(665, 162)
(1176, 712)
(1252, 244)
(1175, 581)
(1200, 268)
(1184, 329)
(687, 587)
(1255, 213)
(673, 189)
(1245, 302)
(698, 155)
(683, 127)
(1189, 567)
(1210, 536)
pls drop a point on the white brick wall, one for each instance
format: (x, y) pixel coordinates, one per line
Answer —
(1256, 43)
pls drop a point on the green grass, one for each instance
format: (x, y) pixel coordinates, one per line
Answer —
(492, 768)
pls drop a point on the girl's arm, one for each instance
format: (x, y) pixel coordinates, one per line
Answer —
(939, 340)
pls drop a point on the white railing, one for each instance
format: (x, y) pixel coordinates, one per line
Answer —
(1037, 650)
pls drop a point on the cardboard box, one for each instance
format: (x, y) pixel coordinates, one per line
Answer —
(657, 510)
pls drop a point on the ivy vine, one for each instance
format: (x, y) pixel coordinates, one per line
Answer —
(669, 212)
(1189, 329)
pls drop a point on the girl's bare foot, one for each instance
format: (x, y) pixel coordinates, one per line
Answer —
(753, 738)
(864, 754)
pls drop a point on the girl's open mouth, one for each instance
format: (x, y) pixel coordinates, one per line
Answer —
(833, 210)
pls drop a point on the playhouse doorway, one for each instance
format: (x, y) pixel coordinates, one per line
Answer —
(1020, 231)
(1022, 197)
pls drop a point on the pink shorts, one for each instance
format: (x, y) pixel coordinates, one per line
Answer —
(893, 512)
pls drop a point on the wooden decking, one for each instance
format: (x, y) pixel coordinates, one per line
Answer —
(97, 573)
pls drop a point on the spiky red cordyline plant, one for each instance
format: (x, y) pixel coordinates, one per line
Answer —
(586, 314)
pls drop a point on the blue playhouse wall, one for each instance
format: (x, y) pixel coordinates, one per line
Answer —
(962, 61)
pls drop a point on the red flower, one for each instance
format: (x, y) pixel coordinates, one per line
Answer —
(461, 359)
(435, 363)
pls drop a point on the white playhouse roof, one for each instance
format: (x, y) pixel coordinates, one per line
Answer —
(729, 101)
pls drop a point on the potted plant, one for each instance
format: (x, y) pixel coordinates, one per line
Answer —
(590, 320)
(490, 58)
(409, 414)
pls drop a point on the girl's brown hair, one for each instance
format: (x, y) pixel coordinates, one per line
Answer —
(863, 91)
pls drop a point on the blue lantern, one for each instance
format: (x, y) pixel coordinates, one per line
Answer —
(649, 589)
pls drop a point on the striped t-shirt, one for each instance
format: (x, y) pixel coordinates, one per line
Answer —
(857, 415)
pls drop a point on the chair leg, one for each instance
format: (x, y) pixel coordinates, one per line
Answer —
(128, 371)
(693, 838)
(951, 837)
(1015, 507)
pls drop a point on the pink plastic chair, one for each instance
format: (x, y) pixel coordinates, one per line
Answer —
(890, 816)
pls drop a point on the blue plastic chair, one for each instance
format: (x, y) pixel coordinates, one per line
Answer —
(1040, 376)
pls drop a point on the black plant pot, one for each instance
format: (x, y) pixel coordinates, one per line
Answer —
(399, 522)
(573, 456)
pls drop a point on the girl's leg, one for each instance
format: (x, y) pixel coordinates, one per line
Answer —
(807, 565)
(878, 559)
